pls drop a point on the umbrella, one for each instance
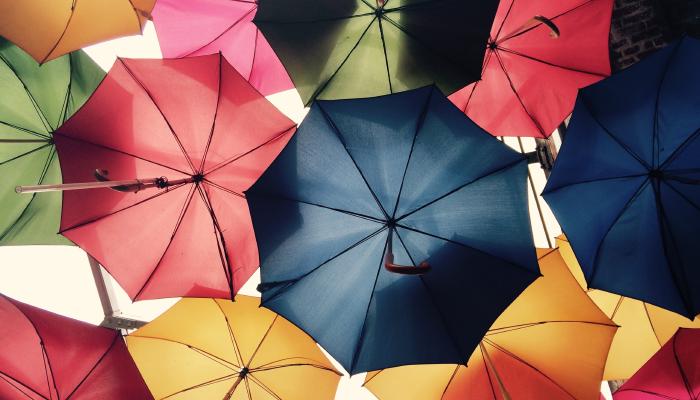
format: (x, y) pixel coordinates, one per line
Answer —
(381, 228)
(644, 328)
(673, 372)
(47, 356)
(218, 349)
(551, 343)
(35, 101)
(625, 184)
(47, 30)
(539, 54)
(348, 48)
(180, 140)
(189, 27)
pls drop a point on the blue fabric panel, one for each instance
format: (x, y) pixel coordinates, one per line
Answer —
(309, 236)
(631, 259)
(450, 150)
(590, 154)
(315, 167)
(378, 132)
(686, 156)
(330, 304)
(485, 214)
(679, 98)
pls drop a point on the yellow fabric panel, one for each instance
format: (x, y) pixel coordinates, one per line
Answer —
(209, 333)
(249, 322)
(169, 367)
(569, 257)
(283, 345)
(411, 382)
(666, 323)
(299, 382)
(38, 26)
(214, 391)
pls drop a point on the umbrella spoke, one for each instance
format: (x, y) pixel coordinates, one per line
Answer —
(213, 121)
(263, 386)
(92, 369)
(35, 104)
(221, 242)
(551, 64)
(26, 130)
(386, 58)
(267, 332)
(236, 349)
(313, 365)
(26, 153)
(680, 148)
(218, 360)
(201, 385)
(239, 156)
(234, 23)
(14, 383)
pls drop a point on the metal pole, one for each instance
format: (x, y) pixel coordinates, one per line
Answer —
(24, 140)
(132, 185)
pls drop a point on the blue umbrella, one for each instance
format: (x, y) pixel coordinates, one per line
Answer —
(393, 230)
(625, 187)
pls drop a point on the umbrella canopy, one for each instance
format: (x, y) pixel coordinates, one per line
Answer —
(47, 356)
(533, 351)
(644, 328)
(35, 101)
(47, 30)
(625, 185)
(539, 53)
(200, 134)
(218, 349)
(355, 48)
(199, 27)
(381, 228)
(673, 372)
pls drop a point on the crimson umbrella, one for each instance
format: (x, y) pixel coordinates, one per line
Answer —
(539, 53)
(198, 27)
(673, 373)
(176, 142)
(47, 356)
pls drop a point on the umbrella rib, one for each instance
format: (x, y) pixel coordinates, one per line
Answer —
(680, 148)
(239, 156)
(255, 53)
(247, 387)
(65, 29)
(449, 382)
(487, 59)
(593, 180)
(25, 130)
(682, 195)
(360, 339)
(317, 366)
(663, 396)
(651, 325)
(267, 332)
(236, 350)
(386, 57)
(258, 382)
(655, 137)
(99, 360)
(32, 100)
(613, 137)
(180, 217)
(312, 21)
(93, 220)
(419, 126)
(204, 353)
(213, 122)
(64, 108)
(462, 186)
(351, 213)
(617, 307)
(9, 379)
(267, 364)
(254, 8)
(153, 100)
(686, 381)
(551, 64)
(443, 319)
(136, 13)
(508, 329)
(26, 153)
(503, 23)
(229, 191)
(488, 372)
(200, 385)
(342, 142)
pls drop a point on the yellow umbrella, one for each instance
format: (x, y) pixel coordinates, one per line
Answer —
(47, 29)
(218, 349)
(644, 327)
(551, 343)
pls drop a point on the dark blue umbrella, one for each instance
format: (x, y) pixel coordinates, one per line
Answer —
(626, 185)
(393, 230)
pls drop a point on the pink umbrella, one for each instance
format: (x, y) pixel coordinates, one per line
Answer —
(201, 27)
(672, 373)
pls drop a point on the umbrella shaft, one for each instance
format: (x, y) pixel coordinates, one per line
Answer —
(137, 183)
(24, 140)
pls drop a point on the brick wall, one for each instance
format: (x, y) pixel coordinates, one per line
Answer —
(639, 27)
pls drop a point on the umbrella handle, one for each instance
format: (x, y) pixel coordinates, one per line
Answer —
(530, 24)
(389, 265)
(133, 185)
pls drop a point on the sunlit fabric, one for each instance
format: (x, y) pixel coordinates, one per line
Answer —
(35, 101)
(530, 78)
(625, 186)
(409, 171)
(198, 27)
(195, 119)
(673, 372)
(50, 29)
(551, 343)
(644, 327)
(47, 356)
(219, 349)
(339, 49)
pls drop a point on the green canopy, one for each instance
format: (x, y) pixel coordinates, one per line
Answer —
(337, 49)
(35, 101)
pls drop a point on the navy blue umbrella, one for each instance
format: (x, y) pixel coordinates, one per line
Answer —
(393, 230)
(626, 184)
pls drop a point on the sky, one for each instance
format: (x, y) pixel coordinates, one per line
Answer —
(58, 278)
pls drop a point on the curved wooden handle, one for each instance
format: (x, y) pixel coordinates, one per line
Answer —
(389, 265)
(554, 29)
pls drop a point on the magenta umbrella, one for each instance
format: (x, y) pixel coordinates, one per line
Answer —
(672, 373)
(201, 27)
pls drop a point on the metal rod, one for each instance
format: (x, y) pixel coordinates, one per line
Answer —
(101, 286)
(132, 185)
(24, 140)
(501, 385)
(536, 196)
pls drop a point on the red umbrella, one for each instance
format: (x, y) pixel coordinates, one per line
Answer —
(672, 373)
(47, 356)
(182, 139)
(198, 27)
(540, 52)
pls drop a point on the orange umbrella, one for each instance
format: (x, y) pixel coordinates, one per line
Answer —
(551, 343)
(50, 29)
(644, 327)
(219, 349)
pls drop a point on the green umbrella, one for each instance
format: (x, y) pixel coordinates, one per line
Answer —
(336, 49)
(35, 101)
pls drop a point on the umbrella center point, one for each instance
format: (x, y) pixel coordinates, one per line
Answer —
(243, 372)
(197, 178)
(379, 11)
(656, 174)
(492, 45)
(391, 223)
